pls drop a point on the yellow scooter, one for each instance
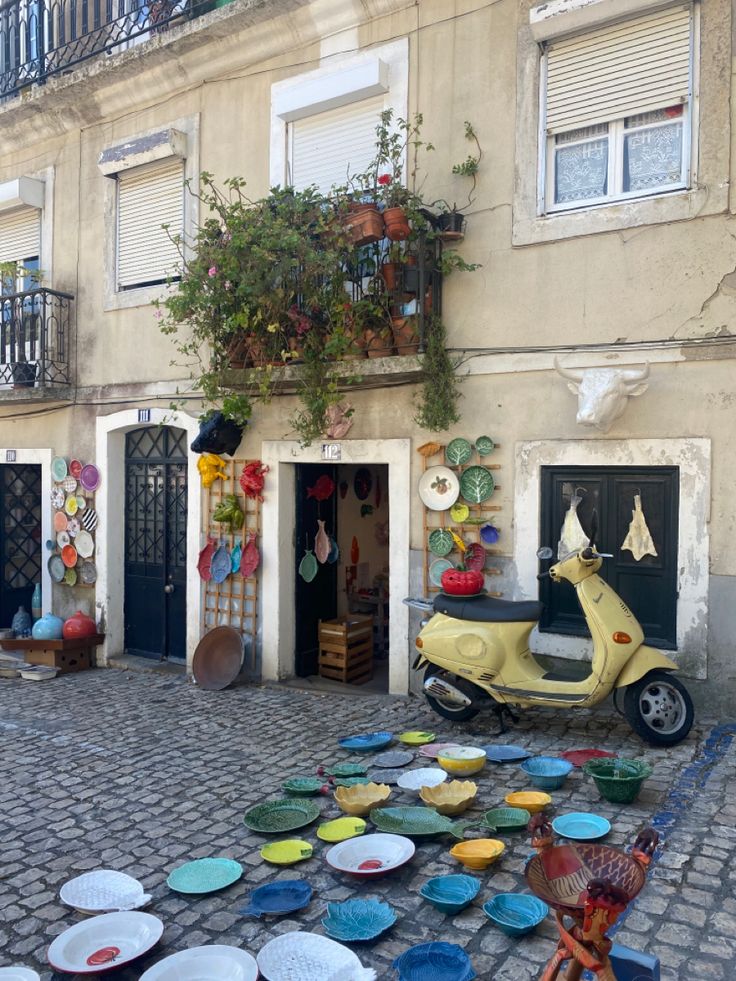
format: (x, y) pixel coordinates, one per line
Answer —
(478, 646)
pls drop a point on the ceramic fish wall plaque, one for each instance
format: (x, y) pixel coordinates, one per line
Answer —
(323, 489)
(321, 543)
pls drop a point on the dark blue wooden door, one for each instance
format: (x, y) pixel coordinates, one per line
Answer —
(156, 542)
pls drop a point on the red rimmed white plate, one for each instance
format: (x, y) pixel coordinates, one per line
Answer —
(104, 943)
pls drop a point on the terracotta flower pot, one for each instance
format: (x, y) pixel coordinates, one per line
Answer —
(397, 224)
(365, 226)
(237, 351)
(256, 351)
(376, 344)
(406, 340)
(389, 272)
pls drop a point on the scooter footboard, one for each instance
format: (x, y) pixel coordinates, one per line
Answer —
(644, 660)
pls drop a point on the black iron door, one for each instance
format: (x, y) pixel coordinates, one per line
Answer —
(156, 542)
(20, 537)
(649, 585)
(315, 600)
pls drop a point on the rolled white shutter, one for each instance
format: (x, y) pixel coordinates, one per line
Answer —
(20, 235)
(328, 146)
(149, 197)
(621, 70)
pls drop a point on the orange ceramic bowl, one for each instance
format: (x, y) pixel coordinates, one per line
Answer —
(69, 556)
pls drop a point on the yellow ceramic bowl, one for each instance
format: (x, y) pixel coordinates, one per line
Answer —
(462, 761)
(362, 798)
(450, 798)
(531, 800)
(478, 853)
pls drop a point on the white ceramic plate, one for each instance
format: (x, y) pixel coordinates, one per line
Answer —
(439, 488)
(103, 891)
(18, 974)
(202, 963)
(309, 957)
(425, 776)
(105, 942)
(371, 855)
(85, 544)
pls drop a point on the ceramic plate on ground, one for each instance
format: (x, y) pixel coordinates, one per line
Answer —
(581, 826)
(302, 786)
(476, 484)
(394, 758)
(425, 776)
(56, 568)
(433, 750)
(58, 468)
(416, 737)
(367, 742)
(212, 961)
(341, 829)
(103, 891)
(438, 488)
(18, 974)
(372, 855)
(104, 942)
(506, 753)
(275, 816)
(439, 960)
(278, 898)
(579, 756)
(89, 478)
(385, 776)
(358, 919)
(414, 821)
(458, 451)
(287, 852)
(436, 569)
(205, 875)
(353, 781)
(301, 956)
(343, 770)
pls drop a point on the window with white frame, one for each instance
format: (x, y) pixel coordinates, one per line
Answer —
(20, 249)
(150, 216)
(617, 111)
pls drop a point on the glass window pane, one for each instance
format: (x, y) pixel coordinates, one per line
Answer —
(581, 171)
(656, 116)
(653, 158)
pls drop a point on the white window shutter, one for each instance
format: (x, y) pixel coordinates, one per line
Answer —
(621, 70)
(328, 146)
(149, 197)
(20, 235)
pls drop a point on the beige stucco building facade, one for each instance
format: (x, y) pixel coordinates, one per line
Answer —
(634, 280)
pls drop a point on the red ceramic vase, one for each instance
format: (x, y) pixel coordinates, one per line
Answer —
(79, 625)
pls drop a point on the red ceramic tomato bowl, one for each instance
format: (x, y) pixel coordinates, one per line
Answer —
(372, 856)
(462, 582)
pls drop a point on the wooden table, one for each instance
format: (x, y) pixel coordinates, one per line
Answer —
(66, 655)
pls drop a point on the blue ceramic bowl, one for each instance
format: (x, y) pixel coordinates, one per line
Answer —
(358, 919)
(514, 913)
(546, 772)
(278, 898)
(434, 962)
(450, 893)
(366, 743)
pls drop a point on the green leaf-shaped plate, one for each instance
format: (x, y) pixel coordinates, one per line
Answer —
(351, 781)
(411, 821)
(205, 875)
(458, 452)
(302, 786)
(440, 542)
(358, 919)
(347, 769)
(476, 484)
(275, 816)
(506, 818)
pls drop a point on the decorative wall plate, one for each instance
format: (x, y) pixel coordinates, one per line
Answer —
(103, 891)
(73, 527)
(69, 556)
(81, 502)
(436, 569)
(88, 572)
(276, 816)
(458, 451)
(459, 512)
(440, 542)
(75, 468)
(221, 564)
(438, 961)
(438, 488)
(489, 534)
(363, 483)
(89, 478)
(278, 898)
(104, 942)
(475, 557)
(69, 484)
(57, 497)
(89, 517)
(85, 544)
(287, 852)
(63, 539)
(58, 468)
(476, 484)
(56, 568)
(60, 521)
(366, 742)
(210, 961)
(70, 577)
(298, 956)
(358, 919)
(70, 505)
(484, 445)
(205, 875)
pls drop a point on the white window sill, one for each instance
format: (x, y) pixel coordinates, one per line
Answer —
(142, 297)
(674, 206)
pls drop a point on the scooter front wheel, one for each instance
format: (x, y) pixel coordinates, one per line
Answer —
(451, 710)
(659, 708)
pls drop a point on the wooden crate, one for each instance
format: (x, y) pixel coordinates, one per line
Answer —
(346, 649)
(66, 655)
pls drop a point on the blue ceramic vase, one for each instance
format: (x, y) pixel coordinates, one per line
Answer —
(22, 623)
(48, 627)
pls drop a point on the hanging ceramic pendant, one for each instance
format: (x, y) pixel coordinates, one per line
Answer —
(343, 489)
(334, 551)
(321, 543)
(251, 557)
(323, 489)
(204, 564)
(572, 536)
(220, 566)
(308, 566)
(639, 540)
(363, 483)
(236, 555)
(354, 551)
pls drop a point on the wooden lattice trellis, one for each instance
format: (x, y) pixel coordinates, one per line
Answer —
(234, 602)
(468, 532)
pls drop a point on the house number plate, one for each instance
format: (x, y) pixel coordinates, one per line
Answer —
(332, 452)
(10, 456)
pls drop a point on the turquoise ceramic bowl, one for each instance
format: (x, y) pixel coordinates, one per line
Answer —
(515, 914)
(546, 772)
(450, 893)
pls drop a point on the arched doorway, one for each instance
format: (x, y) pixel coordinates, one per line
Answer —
(155, 550)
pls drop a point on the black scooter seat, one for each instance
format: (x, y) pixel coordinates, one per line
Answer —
(488, 609)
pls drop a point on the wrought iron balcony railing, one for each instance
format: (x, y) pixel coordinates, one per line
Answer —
(40, 38)
(35, 332)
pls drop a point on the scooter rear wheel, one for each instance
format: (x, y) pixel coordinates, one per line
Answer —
(659, 708)
(456, 713)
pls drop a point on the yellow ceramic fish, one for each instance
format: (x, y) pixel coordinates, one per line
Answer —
(210, 466)
(459, 543)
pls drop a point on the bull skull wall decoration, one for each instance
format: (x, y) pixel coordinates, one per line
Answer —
(603, 393)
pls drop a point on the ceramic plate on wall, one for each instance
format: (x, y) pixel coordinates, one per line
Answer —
(60, 521)
(57, 497)
(63, 539)
(70, 505)
(436, 569)
(75, 468)
(88, 572)
(70, 577)
(85, 544)
(439, 488)
(89, 478)
(56, 568)
(58, 468)
(69, 484)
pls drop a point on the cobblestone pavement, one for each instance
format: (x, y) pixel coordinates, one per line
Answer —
(141, 773)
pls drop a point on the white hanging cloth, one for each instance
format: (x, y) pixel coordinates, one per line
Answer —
(638, 540)
(572, 536)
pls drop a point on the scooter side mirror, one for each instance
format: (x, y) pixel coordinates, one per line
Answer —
(545, 552)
